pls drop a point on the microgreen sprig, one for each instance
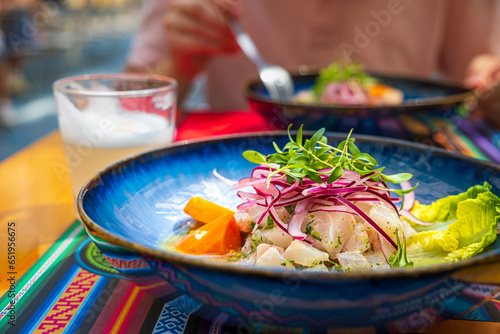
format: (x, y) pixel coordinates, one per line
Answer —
(399, 259)
(314, 157)
(342, 72)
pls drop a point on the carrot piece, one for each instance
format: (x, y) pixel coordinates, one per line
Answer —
(377, 90)
(203, 210)
(217, 237)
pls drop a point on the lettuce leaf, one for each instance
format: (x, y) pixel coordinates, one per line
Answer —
(445, 209)
(471, 225)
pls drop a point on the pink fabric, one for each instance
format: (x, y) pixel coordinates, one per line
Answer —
(417, 38)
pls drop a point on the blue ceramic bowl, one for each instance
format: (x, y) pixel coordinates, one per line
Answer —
(133, 206)
(423, 100)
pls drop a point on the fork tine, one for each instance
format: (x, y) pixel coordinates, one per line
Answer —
(285, 86)
(271, 87)
(284, 92)
(277, 80)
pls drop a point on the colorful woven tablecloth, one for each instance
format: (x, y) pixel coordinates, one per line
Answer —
(72, 289)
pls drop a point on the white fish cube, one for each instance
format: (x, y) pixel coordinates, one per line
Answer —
(331, 230)
(302, 253)
(278, 237)
(377, 260)
(353, 261)
(261, 249)
(254, 214)
(318, 268)
(358, 240)
(242, 220)
(388, 220)
(273, 257)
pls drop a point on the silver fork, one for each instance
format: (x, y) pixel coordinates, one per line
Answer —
(277, 80)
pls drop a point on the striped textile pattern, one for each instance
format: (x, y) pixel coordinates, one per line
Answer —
(66, 298)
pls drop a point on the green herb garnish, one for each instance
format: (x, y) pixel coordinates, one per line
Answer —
(339, 72)
(400, 260)
(314, 157)
(334, 265)
(315, 235)
(270, 223)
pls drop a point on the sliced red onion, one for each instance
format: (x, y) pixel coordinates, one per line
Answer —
(330, 192)
(269, 206)
(247, 205)
(386, 187)
(347, 177)
(273, 195)
(309, 196)
(264, 190)
(410, 216)
(295, 223)
(246, 182)
(291, 187)
(385, 199)
(277, 219)
(224, 179)
(244, 195)
(357, 198)
(292, 200)
(338, 184)
(333, 208)
(324, 202)
(368, 176)
(351, 175)
(384, 251)
(409, 198)
(342, 93)
(378, 187)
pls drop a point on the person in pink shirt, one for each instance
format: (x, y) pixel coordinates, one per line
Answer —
(456, 40)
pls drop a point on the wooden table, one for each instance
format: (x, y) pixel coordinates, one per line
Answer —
(36, 196)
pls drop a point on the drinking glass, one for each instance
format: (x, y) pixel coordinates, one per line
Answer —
(106, 117)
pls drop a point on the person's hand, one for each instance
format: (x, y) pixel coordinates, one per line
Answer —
(196, 30)
(483, 74)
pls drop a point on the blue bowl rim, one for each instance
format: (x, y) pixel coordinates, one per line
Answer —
(413, 105)
(176, 258)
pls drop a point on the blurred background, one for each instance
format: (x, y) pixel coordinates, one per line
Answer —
(43, 40)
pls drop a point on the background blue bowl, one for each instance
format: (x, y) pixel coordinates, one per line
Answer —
(134, 205)
(424, 99)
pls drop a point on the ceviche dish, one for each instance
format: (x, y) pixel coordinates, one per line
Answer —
(348, 84)
(313, 206)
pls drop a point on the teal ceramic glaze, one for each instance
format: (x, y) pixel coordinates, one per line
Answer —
(134, 205)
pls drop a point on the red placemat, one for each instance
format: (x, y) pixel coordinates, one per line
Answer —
(206, 124)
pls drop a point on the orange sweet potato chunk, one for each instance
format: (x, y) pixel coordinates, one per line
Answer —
(218, 237)
(377, 90)
(203, 210)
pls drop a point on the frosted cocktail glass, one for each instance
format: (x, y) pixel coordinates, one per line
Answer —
(106, 117)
